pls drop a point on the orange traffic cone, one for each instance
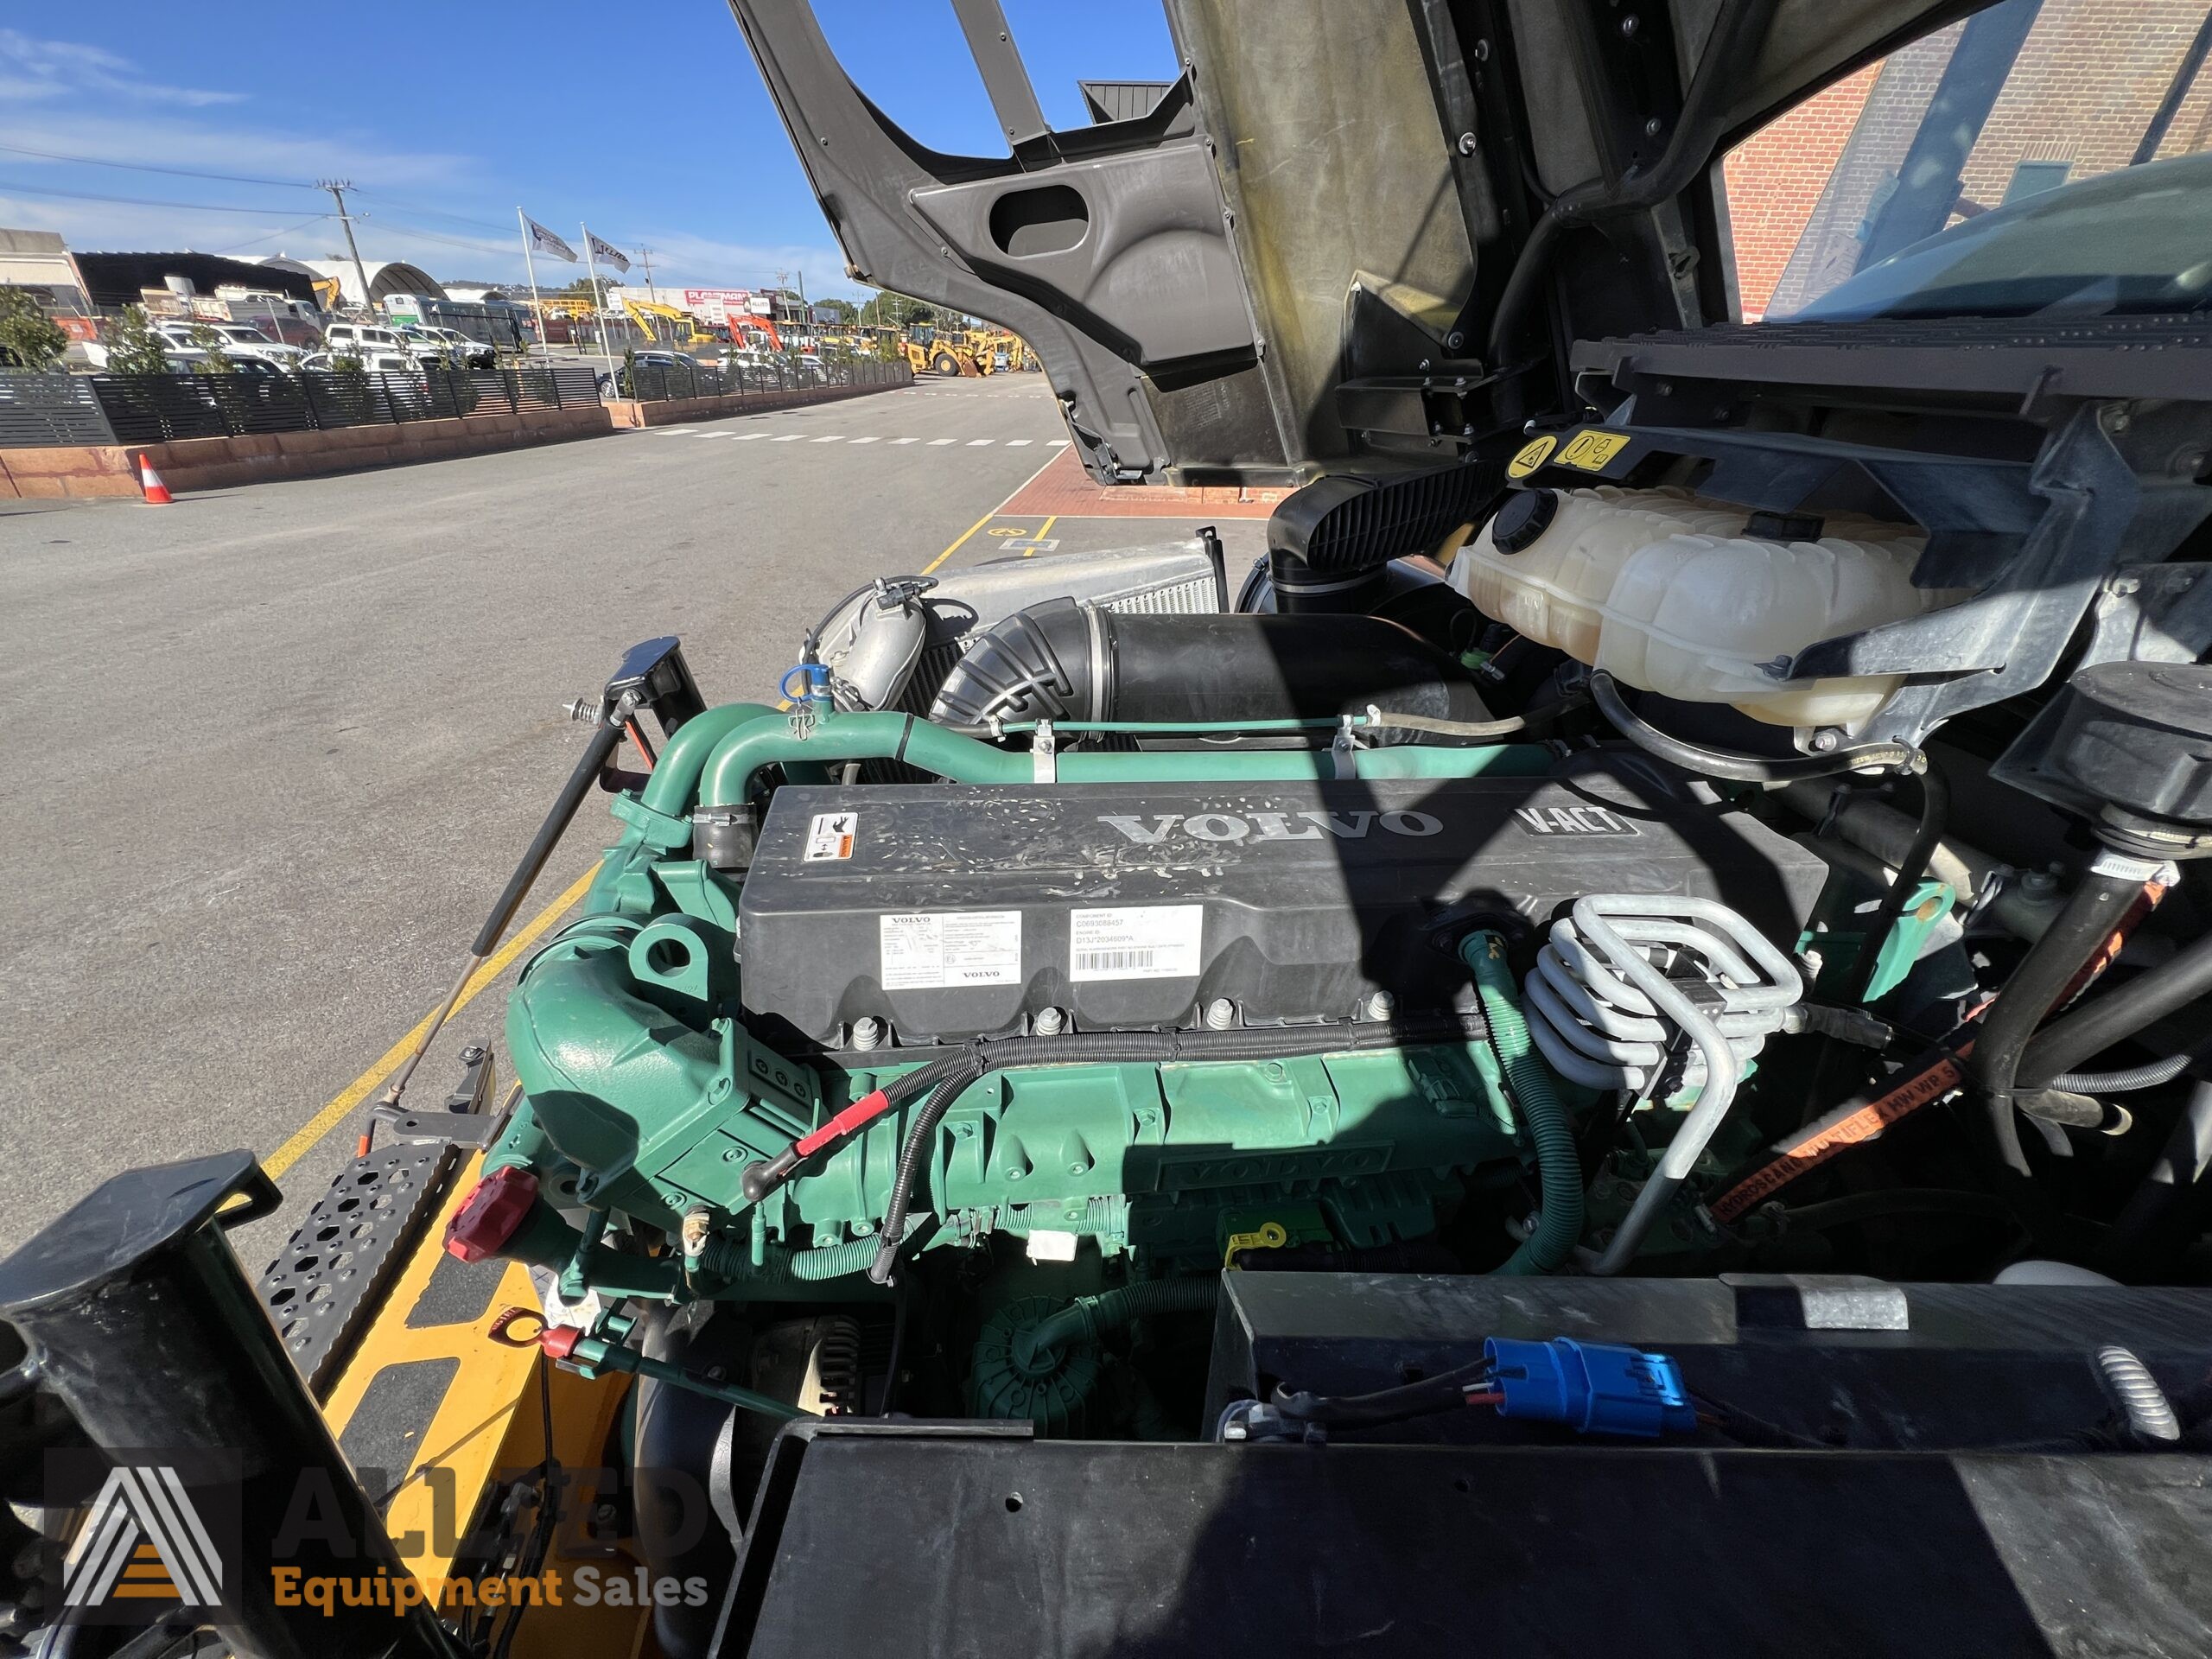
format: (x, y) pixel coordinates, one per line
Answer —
(157, 493)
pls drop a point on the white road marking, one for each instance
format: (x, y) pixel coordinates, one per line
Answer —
(674, 431)
(977, 443)
(787, 437)
(1017, 443)
(743, 436)
(906, 440)
(937, 443)
(1059, 443)
(864, 440)
(834, 437)
(710, 434)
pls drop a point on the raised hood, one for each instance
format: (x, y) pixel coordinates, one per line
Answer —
(1354, 234)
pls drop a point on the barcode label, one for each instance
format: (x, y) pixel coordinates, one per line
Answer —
(1147, 941)
(1103, 962)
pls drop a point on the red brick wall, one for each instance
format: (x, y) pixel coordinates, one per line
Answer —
(1775, 178)
(2084, 87)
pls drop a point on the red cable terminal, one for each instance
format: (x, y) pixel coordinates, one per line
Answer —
(490, 1215)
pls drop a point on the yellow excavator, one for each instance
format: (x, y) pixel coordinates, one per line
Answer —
(681, 327)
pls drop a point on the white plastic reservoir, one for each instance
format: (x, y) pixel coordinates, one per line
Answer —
(1667, 594)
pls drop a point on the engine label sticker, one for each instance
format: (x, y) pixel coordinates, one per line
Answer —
(1533, 454)
(1141, 942)
(929, 950)
(831, 836)
(1591, 451)
(1583, 820)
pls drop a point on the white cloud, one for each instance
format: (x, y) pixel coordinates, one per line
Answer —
(682, 260)
(36, 68)
(73, 100)
(225, 147)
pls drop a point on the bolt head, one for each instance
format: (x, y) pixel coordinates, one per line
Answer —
(1653, 127)
(1630, 25)
(1824, 741)
(1467, 143)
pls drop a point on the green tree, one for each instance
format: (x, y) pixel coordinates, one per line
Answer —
(29, 338)
(133, 346)
(205, 337)
(840, 314)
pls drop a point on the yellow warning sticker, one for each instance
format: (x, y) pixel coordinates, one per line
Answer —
(1533, 454)
(1588, 452)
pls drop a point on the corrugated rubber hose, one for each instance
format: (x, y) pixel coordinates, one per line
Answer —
(1088, 1317)
(2137, 1393)
(912, 1156)
(1558, 1169)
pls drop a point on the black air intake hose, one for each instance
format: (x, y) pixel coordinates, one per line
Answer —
(1327, 543)
(1062, 660)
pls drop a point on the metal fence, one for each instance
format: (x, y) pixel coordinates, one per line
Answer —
(653, 382)
(60, 409)
(43, 411)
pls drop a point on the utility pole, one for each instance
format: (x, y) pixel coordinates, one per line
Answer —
(646, 258)
(338, 187)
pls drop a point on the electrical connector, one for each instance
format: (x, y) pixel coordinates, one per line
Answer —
(1592, 1387)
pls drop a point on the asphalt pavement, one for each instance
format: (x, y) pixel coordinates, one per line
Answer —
(282, 744)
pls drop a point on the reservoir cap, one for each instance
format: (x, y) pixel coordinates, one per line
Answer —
(1525, 515)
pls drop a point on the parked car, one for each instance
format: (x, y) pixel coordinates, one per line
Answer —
(368, 339)
(609, 380)
(434, 345)
(239, 342)
(374, 361)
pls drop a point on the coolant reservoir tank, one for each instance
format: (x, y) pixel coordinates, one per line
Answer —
(1671, 593)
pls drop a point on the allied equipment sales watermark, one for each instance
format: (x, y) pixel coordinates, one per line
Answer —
(142, 1535)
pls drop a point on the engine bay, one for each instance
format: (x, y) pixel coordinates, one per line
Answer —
(1618, 895)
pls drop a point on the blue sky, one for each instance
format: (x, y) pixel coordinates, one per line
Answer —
(648, 120)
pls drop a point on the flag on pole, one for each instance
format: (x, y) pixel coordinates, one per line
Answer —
(546, 242)
(607, 252)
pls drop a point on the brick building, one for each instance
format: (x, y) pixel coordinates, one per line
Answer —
(2079, 99)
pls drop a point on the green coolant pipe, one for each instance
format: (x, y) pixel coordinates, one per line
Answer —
(746, 747)
(1559, 1222)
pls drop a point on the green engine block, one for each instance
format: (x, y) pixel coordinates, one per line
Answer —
(646, 1095)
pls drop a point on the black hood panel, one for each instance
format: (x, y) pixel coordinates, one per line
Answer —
(1268, 275)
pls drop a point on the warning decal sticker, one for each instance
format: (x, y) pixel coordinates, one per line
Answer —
(830, 836)
(1591, 451)
(927, 950)
(1533, 454)
(1148, 942)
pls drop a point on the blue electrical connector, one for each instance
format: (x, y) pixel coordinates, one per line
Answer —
(812, 683)
(1592, 1387)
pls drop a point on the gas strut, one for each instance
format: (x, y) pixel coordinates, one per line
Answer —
(653, 675)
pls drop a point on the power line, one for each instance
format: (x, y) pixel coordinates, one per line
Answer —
(144, 166)
(432, 213)
(312, 218)
(142, 201)
(386, 217)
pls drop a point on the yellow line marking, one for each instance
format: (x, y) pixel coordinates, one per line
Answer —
(931, 566)
(962, 542)
(359, 1090)
(1043, 531)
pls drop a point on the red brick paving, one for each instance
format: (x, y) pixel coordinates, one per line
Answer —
(1065, 490)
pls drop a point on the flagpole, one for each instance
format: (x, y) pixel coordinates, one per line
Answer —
(529, 265)
(598, 303)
